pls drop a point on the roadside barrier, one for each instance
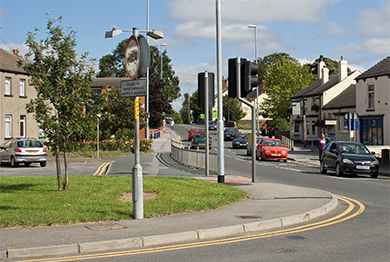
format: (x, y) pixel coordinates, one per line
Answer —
(192, 157)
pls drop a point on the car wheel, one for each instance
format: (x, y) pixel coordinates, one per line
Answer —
(285, 161)
(27, 164)
(374, 175)
(322, 168)
(13, 162)
(338, 170)
(261, 156)
(43, 164)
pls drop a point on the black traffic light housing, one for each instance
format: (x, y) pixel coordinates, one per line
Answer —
(248, 77)
(201, 90)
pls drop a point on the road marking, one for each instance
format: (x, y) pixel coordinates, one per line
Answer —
(344, 216)
(101, 169)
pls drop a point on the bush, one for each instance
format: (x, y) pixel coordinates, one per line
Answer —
(123, 145)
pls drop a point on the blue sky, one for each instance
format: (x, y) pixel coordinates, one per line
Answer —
(359, 30)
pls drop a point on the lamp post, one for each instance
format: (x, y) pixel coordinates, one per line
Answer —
(257, 88)
(98, 118)
(162, 59)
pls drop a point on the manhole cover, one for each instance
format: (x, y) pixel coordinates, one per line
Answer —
(105, 227)
(249, 216)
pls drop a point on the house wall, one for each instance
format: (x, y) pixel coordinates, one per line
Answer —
(14, 105)
(382, 102)
(340, 87)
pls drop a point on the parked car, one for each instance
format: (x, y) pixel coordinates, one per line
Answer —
(193, 131)
(271, 148)
(249, 147)
(212, 125)
(240, 141)
(348, 158)
(230, 133)
(23, 150)
(199, 141)
(168, 120)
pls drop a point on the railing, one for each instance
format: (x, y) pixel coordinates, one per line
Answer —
(287, 141)
(193, 158)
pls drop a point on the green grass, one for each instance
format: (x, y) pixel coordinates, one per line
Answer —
(34, 201)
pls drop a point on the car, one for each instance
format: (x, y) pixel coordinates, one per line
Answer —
(23, 150)
(193, 131)
(212, 125)
(168, 120)
(249, 147)
(199, 141)
(230, 132)
(271, 148)
(348, 158)
(240, 141)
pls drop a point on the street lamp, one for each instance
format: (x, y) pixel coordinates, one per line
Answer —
(162, 59)
(257, 88)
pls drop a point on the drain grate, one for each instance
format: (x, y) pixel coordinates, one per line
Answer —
(296, 237)
(249, 216)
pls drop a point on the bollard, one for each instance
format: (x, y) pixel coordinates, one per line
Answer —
(158, 133)
(151, 134)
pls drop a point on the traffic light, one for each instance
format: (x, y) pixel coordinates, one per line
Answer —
(232, 78)
(249, 78)
(201, 89)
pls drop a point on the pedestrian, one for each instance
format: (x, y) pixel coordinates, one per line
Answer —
(172, 124)
(321, 143)
(271, 132)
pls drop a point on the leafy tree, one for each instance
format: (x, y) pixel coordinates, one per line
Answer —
(185, 108)
(62, 81)
(232, 110)
(269, 60)
(283, 80)
(332, 65)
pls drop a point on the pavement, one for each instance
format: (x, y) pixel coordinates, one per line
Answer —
(270, 206)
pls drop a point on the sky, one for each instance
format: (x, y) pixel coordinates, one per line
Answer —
(359, 30)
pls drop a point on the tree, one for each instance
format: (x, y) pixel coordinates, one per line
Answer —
(232, 110)
(283, 80)
(332, 65)
(62, 82)
(269, 60)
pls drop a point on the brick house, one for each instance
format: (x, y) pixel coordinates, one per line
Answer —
(15, 93)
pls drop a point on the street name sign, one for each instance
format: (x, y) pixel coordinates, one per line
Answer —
(133, 88)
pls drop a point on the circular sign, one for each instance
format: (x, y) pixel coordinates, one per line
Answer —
(132, 57)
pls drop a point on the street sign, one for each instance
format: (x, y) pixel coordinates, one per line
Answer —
(133, 88)
(132, 57)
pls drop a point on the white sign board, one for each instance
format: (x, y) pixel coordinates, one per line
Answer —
(133, 88)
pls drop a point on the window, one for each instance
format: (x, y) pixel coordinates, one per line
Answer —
(313, 129)
(22, 84)
(296, 128)
(8, 126)
(22, 126)
(7, 86)
(371, 96)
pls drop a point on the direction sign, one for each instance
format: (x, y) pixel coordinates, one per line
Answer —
(133, 88)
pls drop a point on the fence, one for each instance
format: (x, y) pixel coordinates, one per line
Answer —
(287, 141)
(193, 158)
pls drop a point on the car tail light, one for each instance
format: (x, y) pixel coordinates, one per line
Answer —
(44, 149)
(18, 150)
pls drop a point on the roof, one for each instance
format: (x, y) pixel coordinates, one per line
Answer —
(253, 93)
(9, 63)
(108, 81)
(346, 99)
(380, 69)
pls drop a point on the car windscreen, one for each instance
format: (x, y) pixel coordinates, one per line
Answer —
(29, 143)
(272, 143)
(353, 148)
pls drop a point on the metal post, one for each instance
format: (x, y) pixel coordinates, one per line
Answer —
(220, 140)
(98, 118)
(206, 118)
(137, 186)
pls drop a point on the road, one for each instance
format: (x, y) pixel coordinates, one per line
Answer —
(362, 235)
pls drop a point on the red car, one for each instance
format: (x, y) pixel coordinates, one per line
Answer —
(193, 131)
(271, 148)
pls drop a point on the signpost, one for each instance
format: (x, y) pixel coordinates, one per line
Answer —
(133, 88)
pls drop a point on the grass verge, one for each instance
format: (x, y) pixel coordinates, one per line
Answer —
(34, 201)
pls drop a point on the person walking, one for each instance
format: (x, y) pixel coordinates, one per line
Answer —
(172, 124)
(321, 142)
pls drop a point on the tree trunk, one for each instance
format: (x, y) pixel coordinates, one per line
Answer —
(58, 166)
(66, 185)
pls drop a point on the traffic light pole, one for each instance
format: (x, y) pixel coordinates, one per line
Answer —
(206, 118)
(238, 90)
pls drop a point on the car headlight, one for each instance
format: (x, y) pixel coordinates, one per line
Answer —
(284, 152)
(347, 161)
(267, 151)
(374, 163)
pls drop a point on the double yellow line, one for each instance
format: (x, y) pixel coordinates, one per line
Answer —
(101, 171)
(346, 215)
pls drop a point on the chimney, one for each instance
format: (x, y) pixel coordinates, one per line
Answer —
(325, 75)
(320, 65)
(343, 71)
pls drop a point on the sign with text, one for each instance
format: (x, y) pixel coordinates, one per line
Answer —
(133, 88)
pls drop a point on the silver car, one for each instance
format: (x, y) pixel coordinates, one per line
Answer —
(23, 150)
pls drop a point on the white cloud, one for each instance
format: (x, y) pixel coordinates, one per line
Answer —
(3, 13)
(371, 46)
(375, 23)
(331, 29)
